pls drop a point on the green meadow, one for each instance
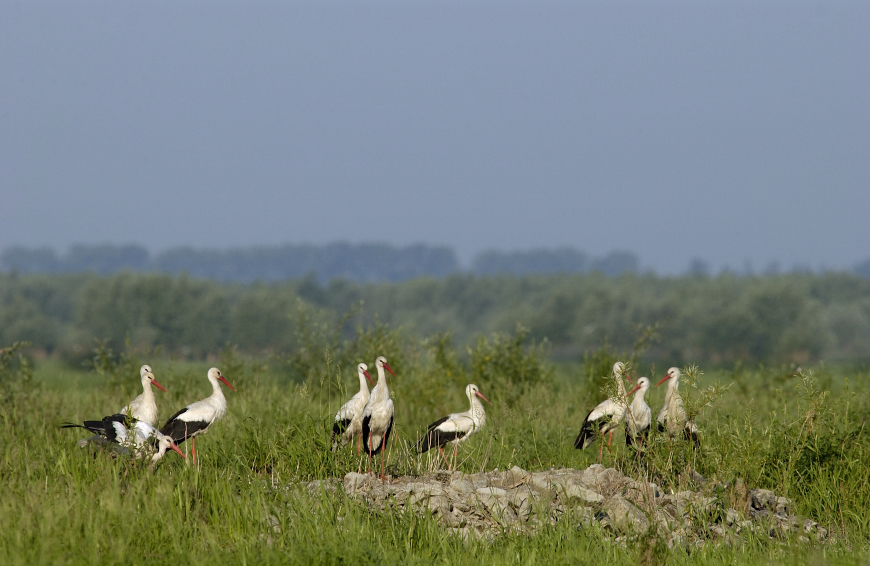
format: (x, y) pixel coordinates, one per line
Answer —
(798, 431)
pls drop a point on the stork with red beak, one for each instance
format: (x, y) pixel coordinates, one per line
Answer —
(127, 434)
(197, 417)
(456, 427)
(605, 417)
(144, 408)
(672, 418)
(638, 416)
(348, 419)
(377, 419)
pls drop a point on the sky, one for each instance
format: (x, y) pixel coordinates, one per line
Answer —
(734, 132)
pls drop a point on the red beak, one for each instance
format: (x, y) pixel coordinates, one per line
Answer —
(158, 386)
(386, 367)
(636, 387)
(222, 378)
(370, 378)
(664, 379)
(479, 394)
(177, 449)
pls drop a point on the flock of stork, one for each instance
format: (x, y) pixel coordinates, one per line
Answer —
(610, 413)
(368, 418)
(133, 429)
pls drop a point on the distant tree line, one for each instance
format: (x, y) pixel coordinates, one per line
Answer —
(353, 262)
(361, 262)
(789, 318)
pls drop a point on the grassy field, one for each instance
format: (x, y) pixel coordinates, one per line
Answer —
(804, 437)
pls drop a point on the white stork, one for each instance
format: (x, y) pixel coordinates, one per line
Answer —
(605, 417)
(130, 434)
(144, 408)
(197, 417)
(348, 419)
(456, 427)
(377, 419)
(638, 416)
(672, 418)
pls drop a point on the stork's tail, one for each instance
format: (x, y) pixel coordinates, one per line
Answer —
(586, 436)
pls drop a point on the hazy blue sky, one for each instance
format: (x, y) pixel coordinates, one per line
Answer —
(729, 131)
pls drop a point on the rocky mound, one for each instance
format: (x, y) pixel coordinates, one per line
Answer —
(487, 504)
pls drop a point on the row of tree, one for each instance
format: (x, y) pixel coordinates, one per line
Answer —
(793, 317)
(355, 262)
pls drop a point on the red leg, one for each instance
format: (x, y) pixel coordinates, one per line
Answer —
(445, 457)
(193, 449)
(359, 444)
(383, 458)
(610, 438)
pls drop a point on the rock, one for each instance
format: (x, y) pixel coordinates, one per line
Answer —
(438, 505)
(514, 477)
(640, 493)
(731, 516)
(485, 504)
(521, 500)
(677, 504)
(581, 494)
(495, 500)
(782, 506)
(492, 497)
(699, 480)
(479, 480)
(542, 482)
(454, 519)
(606, 482)
(590, 474)
(624, 516)
(421, 492)
(354, 481)
(761, 499)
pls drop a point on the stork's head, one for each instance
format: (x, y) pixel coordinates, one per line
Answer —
(472, 389)
(214, 374)
(381, 362)
(364, 370)
(619, 371)
(673, 373)
(163, 443)
(148, 377)
(641, 387)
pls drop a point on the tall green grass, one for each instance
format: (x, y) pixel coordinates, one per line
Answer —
(248, 501)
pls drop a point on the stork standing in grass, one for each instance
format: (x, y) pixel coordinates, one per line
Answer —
(128, 434)
(638, 416)
(377, 419)
(605, 417)
(455, 428)
(144, 407)
(348, 419)
(672, 418)
(197, 417)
